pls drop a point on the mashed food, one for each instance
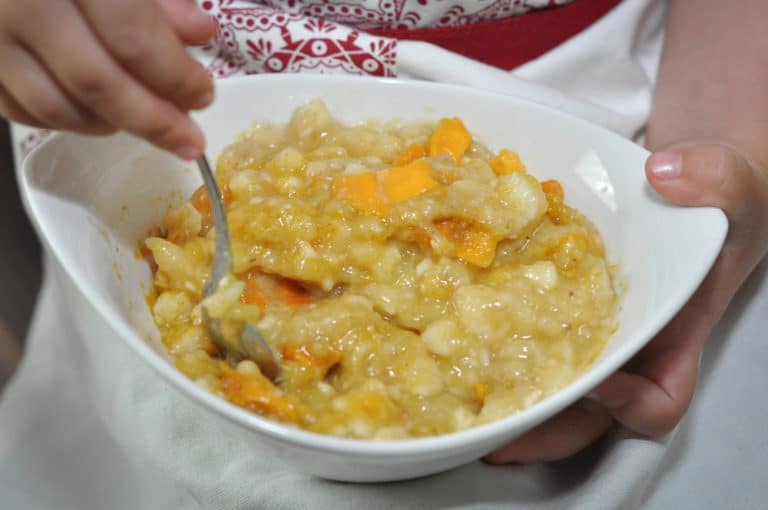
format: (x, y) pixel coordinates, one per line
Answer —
(411, 281)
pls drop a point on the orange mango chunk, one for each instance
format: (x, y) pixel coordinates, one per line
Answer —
(374, 192)
(478, 248)
(450, 137)
(411, 153)
(506, 162)
(262, 290)
(553, 187)
(257, 393)
(201, 202)
(403, 182)
(473, 245)
(361, 191)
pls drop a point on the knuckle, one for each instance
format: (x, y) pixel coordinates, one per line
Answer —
(94, 89)
(722, 162)
(159, 129)
(132, 46)
(181, 85)
(54, 113)
(189, 92)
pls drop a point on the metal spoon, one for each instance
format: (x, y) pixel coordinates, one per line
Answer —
(248, 342)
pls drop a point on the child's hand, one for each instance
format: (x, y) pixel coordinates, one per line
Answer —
(96, 66)
(652, 393)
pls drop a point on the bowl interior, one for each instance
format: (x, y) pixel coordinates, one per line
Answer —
(92, 200)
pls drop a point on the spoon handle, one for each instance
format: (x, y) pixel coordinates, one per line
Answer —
(222, 262)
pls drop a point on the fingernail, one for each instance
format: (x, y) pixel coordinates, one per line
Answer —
(188, 152)
(665, 165)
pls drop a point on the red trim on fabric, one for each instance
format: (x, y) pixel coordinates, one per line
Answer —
(509, 42)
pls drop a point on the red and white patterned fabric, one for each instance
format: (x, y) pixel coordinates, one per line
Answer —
(255, 38)
(367, 14)
(328, 35)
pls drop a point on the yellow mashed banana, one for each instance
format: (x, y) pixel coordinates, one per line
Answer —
(411, 281)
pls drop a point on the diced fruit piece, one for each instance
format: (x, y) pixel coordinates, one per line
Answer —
(403, 182)
(479, 249)
(553, 187)
(411, 153)
(255, 392)
(373, 192)
(450, 137)
(507, 162)
(361, 191)
(261, 290)
(201, 202)
(472, 244)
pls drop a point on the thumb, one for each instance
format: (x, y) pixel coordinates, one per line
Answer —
(699, 175)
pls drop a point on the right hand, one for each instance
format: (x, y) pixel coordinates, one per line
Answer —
(651, 393)
(97, 66)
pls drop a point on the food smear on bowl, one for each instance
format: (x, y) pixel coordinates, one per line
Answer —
(411, 281)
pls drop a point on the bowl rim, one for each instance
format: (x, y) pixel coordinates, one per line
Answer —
(457, 441)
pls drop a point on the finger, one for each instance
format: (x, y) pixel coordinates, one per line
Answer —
(652, 396)
(36, 97)
(12, 111)
(717, 175)
(192, 25)
(647, 407)
(656, 391)
(137, 35)
(567, 433)
(98, 83)
(700, 175)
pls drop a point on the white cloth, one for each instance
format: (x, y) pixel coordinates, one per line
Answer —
(165, 452)
(143, 445)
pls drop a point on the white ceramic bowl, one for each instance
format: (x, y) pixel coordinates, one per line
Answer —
(93, 199)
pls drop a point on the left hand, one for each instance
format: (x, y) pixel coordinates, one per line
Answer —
(133, 71)
(652, 392)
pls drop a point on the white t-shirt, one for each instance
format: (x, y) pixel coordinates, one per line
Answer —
(73, 438)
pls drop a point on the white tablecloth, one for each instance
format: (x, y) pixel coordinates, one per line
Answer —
(56, 452)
